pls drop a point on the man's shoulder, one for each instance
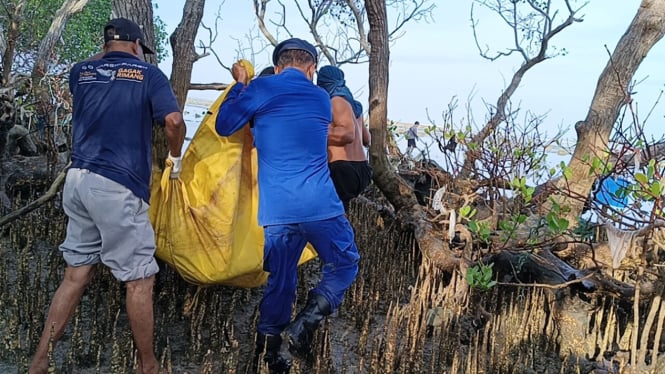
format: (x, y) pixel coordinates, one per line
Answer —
(321, 91)
(341, 103)
(322, 96)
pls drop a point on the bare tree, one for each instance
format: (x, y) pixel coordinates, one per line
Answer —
(532, 34)
(339, 27)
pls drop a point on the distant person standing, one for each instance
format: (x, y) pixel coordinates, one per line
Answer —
(116, 98)
(348, 165)
(411, 137)
(297, 200)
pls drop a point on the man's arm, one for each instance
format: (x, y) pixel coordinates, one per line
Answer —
(232, 115)
(165, 110)
(175, 130)
(367, 137)
(239, 106)
(342, 130)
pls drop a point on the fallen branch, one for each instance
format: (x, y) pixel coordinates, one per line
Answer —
(537, 269)
(52, 191)
(208, 86)
(545, 285)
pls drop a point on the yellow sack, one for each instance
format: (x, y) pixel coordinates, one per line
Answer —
(206, 221)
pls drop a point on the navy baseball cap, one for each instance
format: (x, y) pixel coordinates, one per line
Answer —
(293, 43)
(125, 30)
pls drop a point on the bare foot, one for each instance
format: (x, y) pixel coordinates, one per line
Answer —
(38, 367)
(149, 367)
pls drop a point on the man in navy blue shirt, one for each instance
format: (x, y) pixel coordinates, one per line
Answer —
(116, 98)
(297, 198)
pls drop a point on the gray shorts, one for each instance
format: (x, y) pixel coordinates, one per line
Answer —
(107, 223)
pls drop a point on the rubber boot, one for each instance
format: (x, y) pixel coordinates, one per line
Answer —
(300, 333)
(269, 346)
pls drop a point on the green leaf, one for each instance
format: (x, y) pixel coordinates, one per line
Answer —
(505, 225)
(467, 212)
(563, 224)
(651, 169)
(567, 173)
(595, 165)
(473, 226)
(640, 177)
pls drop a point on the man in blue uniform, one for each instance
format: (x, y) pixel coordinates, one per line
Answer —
(297, 199)
(116, 98)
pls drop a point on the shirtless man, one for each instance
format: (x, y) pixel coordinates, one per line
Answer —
(347, 135)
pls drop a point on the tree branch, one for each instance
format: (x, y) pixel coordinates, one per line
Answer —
(51, 193)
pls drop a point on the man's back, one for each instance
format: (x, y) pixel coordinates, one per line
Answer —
(291, 118)
(291, 127)
(354, 150)
(115, 101)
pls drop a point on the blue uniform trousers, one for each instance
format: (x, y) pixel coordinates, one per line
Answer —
(334, 242)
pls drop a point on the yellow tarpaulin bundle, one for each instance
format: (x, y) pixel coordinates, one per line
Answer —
(206, 221)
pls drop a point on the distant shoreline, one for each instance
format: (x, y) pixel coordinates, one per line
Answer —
(401, 127)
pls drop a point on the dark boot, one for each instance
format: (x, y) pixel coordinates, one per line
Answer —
(300, 332)
(269, 346)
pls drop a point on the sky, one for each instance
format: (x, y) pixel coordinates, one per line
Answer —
(437, 60)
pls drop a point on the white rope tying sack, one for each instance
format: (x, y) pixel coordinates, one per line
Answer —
(619, 242)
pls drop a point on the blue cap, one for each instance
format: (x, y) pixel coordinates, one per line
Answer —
(293, 43)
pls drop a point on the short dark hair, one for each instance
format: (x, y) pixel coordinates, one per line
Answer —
(297, 57)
